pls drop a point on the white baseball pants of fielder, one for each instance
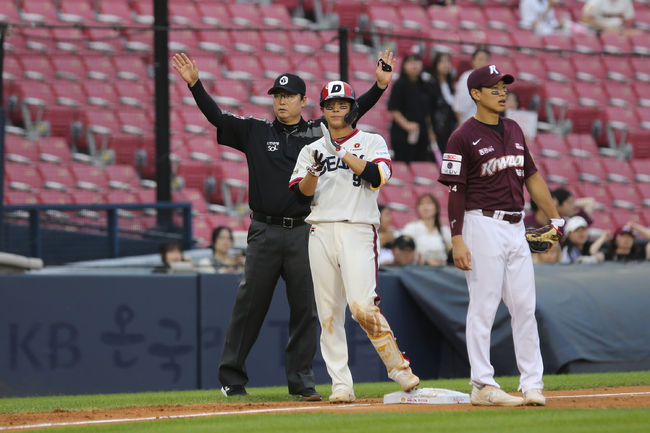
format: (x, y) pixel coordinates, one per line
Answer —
(502, 268)
(343, 259)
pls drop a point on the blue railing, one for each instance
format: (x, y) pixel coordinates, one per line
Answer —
(112, 230)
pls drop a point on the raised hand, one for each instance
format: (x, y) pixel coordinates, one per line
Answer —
(186, 68)
(385, 76)
(330, 145)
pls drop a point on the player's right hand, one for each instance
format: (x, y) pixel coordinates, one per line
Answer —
(186, 68)
(462, 256)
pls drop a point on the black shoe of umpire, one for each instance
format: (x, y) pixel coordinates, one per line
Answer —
(308, 394)
(234, 391)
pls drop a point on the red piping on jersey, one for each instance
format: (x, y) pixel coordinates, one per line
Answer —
(347, 137)
(387, 161)
(376, 251)
(294, 182)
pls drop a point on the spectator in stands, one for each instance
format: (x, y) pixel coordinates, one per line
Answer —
(443, 117)
(171, 252)
(539, 16)
(623, 248)
(387, 234)
(608, 15)
(567, 205)
(527, 119)
(432, 240)
(278, 234)
(410, 104)
(404, 252)
(577, 246)
(224, 258)
(464, 105)
(536, 217)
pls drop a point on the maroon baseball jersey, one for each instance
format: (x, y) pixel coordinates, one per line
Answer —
(493, 167)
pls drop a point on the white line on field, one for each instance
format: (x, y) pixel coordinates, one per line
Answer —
(188, 415)
(600, 395)
(251, 411)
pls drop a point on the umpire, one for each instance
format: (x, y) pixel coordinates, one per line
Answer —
(277, 236)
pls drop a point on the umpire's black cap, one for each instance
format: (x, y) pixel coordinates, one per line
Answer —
(290, 83)
(487, 76)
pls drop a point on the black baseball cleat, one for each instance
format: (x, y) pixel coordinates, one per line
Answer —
(308, 394)
(234, 391)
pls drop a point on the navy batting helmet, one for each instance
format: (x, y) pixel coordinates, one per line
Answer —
(341, 90)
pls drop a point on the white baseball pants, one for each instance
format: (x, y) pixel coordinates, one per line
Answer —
(502, 268)
(343, 258)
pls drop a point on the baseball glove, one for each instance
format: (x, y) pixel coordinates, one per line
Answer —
(542, 239)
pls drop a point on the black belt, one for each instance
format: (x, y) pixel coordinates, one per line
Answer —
(512, 218)
(286, 222)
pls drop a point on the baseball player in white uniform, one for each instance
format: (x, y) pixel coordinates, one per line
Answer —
(343, 176)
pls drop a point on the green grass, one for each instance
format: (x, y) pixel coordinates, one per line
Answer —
(362, 390)
(488, 420)
(529, 420)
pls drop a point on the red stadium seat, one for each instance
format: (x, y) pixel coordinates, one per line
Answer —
(442, 17)
(618, 121)
(640, 141)
(560, 171)
(618, 170)
(603, 220)
(120, 176)
(275, 16)
(56, 177)
(615, 43)
(78, 11)
(582, 145)
(529, 68)
(641, 68)
(644, 190)
(425, 173)
(590, 169)
(617, 68)
(397, 197)
(586, 43)
(557, 41)
(20, 197)
(624, 196)
(214, 14)
(559, 68)
(89, 177)
(54, 149)
(590, 94)
(622, 216)
(588, 67)
(584, 119)
(400, 174)
(641, 169)
(232, 183)
(184, 14)
(597, 192)
(19, 149)
(244, 14)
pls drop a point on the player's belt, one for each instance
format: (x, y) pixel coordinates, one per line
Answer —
(286, 222)
(512, 218)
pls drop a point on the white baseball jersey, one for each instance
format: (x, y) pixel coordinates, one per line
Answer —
(341, 195)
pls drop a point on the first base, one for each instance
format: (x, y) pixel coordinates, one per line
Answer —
(427, 396)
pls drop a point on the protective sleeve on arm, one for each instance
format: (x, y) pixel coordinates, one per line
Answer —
(371, 174)
(206, 104)
(302, 198)
(369, 99)
(456, 208)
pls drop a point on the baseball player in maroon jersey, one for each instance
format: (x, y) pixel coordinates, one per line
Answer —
(485, 167)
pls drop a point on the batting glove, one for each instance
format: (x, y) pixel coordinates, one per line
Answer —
(318, 166)
(332, 146)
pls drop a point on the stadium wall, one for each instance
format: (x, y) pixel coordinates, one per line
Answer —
(103, 333)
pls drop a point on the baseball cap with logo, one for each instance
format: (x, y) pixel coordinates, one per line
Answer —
(487, 76)
(627, 230)
(288, 82)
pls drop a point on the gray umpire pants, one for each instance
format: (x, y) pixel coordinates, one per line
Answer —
(273, 251)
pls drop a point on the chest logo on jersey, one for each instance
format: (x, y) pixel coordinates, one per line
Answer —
(272, 146)
(518, 146)
(485, 150)
(498, 164)
(356, 146)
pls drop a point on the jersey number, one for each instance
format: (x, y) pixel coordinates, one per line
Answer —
(356, 180)
(453, 188)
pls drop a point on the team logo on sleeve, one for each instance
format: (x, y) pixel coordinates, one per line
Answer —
(451, 164)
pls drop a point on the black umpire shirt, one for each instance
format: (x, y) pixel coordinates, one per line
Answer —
(271, 150)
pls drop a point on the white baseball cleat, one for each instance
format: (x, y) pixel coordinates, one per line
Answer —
(342, 395)
(534, 397)
(492, 396)
(405, 378)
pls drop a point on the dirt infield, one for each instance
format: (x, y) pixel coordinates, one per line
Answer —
(594, 398)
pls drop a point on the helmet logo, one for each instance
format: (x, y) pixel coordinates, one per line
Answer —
(336, 88)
